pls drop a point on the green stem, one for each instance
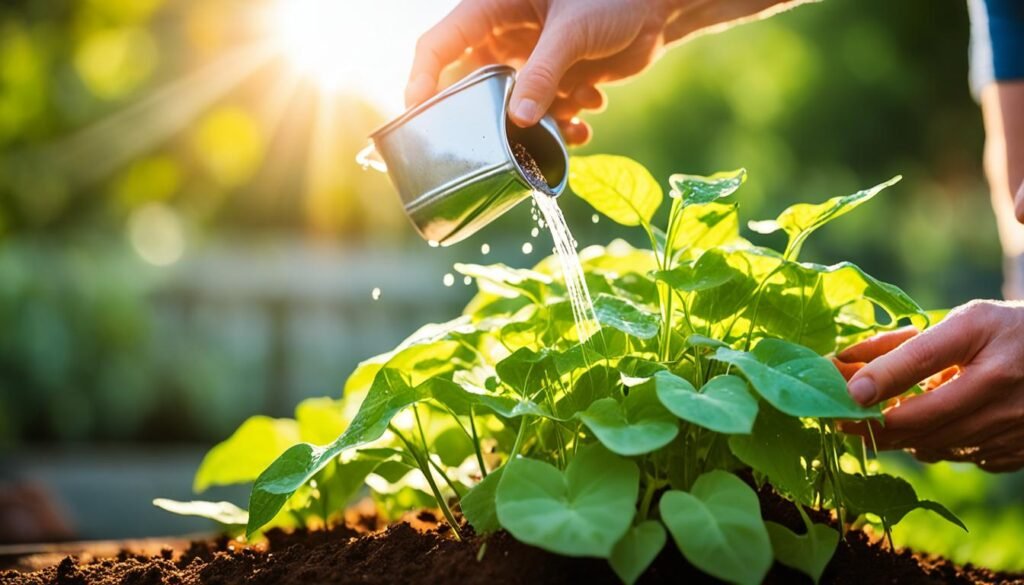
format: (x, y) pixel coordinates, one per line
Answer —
(476, 443)
(426, 455)
(421, 461)
(645, 503)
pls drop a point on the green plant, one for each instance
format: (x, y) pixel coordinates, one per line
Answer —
(709, 361)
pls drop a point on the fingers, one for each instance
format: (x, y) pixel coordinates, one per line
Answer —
(537, 83)
(466, 26)
(575, 131)
(880, 344)
(949, 343)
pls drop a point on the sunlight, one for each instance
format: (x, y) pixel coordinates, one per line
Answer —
(355, 47)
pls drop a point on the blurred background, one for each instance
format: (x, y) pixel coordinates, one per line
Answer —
(187, 240)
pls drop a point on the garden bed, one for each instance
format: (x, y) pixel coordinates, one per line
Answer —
(421, 550)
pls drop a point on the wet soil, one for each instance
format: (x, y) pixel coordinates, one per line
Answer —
(422, 550)
(530, 167)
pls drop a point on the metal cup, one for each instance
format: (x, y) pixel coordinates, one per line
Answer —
(450, 158)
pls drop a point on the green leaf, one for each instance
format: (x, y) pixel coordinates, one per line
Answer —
(798, 310)
(582, 512)
(527, 371)
(321, 420)
(890, 498)
(224, 513)
(595, 383)
(723, 405)
(637, 550)
(616, 186)
(459, 399)
(809, 553)
(796, 380)
(637, 425)
(782, 449)
(718, 528)
(478, 505)
(695, 189)
(702, 227)
(386, 398)
(247, 452)
(626, 317)
(845, 283)
(801, 220)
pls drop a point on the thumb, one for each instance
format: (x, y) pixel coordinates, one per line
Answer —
(537, 83)
(947, 344)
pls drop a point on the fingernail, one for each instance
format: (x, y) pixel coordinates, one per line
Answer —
(862, 390)
(526, 112)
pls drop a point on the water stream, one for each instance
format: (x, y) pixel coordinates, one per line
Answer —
(569, 260)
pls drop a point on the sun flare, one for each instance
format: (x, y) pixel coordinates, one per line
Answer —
(354, 47)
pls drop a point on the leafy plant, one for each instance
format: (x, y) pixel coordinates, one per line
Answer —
(709, 362)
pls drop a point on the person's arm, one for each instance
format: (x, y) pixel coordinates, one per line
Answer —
(567, 47)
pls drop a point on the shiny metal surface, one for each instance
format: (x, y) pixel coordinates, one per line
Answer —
(451, 161)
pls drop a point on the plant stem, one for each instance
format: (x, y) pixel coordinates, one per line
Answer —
(476, 443)
(426, 455)
(645, 503)
(421, 461)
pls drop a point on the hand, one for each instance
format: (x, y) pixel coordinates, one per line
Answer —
(972, 407)
(566, 47)
(616, 38)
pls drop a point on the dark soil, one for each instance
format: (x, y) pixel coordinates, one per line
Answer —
(533, 173)
(424, 551)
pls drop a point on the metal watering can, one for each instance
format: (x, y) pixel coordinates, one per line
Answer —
(451, 158)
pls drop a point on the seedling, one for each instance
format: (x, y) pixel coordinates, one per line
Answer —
(708, 368)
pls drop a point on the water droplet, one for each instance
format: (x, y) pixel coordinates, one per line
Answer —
(433, 244)
(485, 249)
(541, 223)
(534, 232)
(467, 280)
(375, 293)
(527, 248)
(449, 279)
(595, 218)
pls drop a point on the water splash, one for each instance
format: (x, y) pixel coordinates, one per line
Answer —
(527, 248)
(569, 260)
(467, 280)
(449, 279)
(375, 293)
(485, 249)
(595, 218)
(534, 232)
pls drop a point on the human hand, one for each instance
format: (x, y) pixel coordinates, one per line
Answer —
(1020, 203)
(567, 47)
(972, 407)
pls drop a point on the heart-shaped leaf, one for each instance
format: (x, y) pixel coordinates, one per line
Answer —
(584, 511)
(718, 528)
(890, 498)
(626, 317)
(808, 553)
(796, 380)
(637, 550)
(618, 187)
(723, 405)
(639, 424)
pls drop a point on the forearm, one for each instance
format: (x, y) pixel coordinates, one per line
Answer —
(702, 16)
(1002, 104)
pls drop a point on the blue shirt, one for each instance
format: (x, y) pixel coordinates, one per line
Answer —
(997, 41)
